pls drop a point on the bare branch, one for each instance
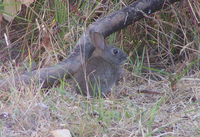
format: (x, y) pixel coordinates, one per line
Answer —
(106, 26)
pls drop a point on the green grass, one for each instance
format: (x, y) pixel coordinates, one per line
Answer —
(150, 43)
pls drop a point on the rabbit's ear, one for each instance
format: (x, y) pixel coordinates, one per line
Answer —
(97, 40)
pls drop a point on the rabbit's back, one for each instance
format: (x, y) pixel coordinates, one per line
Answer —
(100, 74)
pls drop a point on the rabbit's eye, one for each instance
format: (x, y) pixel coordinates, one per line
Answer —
(115, 51)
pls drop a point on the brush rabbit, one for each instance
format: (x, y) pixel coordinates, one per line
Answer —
(101, 71)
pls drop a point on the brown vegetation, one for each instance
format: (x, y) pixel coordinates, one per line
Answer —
(158, 96)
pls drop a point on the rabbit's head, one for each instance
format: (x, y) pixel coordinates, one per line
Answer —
(110, 53)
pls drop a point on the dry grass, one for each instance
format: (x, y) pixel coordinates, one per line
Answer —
(164, 53)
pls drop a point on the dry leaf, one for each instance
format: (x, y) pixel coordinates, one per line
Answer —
(13, 7)
(27, 2)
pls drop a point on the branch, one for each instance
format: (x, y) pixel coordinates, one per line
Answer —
(83, 49)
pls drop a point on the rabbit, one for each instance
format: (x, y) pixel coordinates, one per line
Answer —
(101, 71)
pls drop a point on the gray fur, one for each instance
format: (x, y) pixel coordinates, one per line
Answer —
(105, 66)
